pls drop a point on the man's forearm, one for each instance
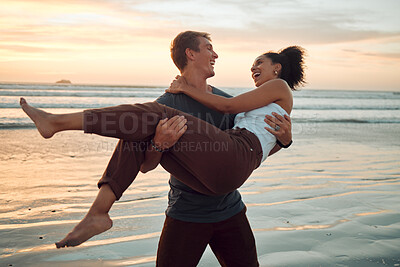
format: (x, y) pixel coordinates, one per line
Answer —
(275, 149)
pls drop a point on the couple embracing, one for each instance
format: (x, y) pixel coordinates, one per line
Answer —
(204, 206)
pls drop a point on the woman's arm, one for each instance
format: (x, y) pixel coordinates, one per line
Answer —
(271, 91)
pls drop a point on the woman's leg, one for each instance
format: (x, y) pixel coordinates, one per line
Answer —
(213, 162)
(129, 122)
(220, 161)
(95, 222)
(48, 124)
(205, 158)
(123, 166)
(121, 171)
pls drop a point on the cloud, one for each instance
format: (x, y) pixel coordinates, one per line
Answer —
(304, 21)
(338, 33)
(103, 21)
(379, 55)
(30, 49)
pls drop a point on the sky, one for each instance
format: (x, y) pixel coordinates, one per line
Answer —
(351, 44)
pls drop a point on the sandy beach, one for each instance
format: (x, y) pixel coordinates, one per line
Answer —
(332, 199)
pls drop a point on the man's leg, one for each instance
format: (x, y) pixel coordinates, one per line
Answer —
(233, 242)
(182, 243)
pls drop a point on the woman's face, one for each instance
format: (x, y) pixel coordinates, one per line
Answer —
(264, 70)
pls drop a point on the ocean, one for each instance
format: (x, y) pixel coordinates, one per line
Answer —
(331, 199)
(310, 106)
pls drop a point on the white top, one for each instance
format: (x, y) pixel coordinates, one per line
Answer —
(253, 121)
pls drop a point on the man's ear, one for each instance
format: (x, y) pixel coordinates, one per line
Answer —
(189, 54)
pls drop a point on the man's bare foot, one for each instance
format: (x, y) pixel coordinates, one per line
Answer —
(90, 226)
(42, 119)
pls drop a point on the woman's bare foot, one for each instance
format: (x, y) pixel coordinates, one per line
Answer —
(42, 119)
(91, 225)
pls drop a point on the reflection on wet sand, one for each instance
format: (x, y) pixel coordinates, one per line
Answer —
(52, 223)
(352, 189)
(86, 244)
(293, 227)
(306, 198)
(302, 227)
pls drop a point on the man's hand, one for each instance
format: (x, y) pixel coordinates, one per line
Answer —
(284, 130)
(169, 131)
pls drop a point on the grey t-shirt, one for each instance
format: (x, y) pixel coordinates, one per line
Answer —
(184, 203)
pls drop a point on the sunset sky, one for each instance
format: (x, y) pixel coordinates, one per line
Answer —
(351, 44)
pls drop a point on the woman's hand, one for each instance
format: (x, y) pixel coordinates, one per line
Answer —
(177, 86)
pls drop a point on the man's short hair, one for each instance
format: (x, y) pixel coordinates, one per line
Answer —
(187, 39)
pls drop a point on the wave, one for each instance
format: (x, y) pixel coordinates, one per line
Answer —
(78, 87)
(341, 94)
(16, 125)
(385, 95)
(106, 102)
(81, 93)
(346, 108)
(310, 106)
(29, 125)
(306, 94)
(372, 121)
(60, 105)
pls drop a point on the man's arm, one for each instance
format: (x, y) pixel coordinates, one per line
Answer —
(168, 132)
(284, 134)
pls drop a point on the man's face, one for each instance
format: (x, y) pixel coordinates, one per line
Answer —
(205, 58)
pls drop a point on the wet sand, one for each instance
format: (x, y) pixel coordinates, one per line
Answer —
(332, 199)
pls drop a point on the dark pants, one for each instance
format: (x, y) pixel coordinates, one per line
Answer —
(209, 160)
(183, 243)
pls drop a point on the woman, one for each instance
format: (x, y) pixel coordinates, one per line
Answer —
(242, 149)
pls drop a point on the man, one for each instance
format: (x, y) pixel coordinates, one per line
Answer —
(193, 220)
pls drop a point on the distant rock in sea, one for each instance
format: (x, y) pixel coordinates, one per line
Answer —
(63, 81)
